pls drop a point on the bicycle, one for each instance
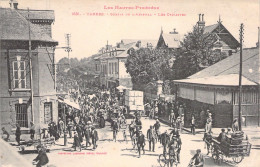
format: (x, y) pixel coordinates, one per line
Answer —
(167, 160)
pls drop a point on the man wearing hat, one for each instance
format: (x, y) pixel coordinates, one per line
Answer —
(222, 136)
(42, 158)
(165, 139)
(87, 135)
(151, 137)
(172, 118)
(140, 143)
(94, 135)
(157, 126)
(76, 141)
(32, 130)
(174, 132)
(197, 159)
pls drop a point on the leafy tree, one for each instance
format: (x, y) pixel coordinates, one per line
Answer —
(195, 53)
(146, 65)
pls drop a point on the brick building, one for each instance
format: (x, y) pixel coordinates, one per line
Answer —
(16, 26)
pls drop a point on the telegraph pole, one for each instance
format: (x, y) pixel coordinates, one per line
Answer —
(30, 64)
(241, 36)
(68, 47)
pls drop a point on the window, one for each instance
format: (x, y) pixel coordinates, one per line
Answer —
(21, 115)
(112, 68)
(47, 112)
(19, 73)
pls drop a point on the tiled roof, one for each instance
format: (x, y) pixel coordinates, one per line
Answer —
(38, 14)
(171, 40)
(220, 80)
(15, 27)
(230, 65)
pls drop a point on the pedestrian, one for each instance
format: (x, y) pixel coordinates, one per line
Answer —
(172, 152)
(197, 159)
(87, 135)
(61, 126)
(18, 134)
(70, 127)
(235, 126)
(76, 142)
(172, 118)
(179, 143)
(79, 132)
(5, 133)
(208, 126)
(151, 136)
(140, 143)
(193, 125)
(94, 136)
(32, 130)
(115, 128)
(42, 158)
(165, 139)
(157, 126)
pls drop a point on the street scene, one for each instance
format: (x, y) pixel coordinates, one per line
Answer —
(183, 90)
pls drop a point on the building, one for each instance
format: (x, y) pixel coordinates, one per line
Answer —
(169, 41)
(111, 62)
(225, 42)
(19, 78)
(217, 88)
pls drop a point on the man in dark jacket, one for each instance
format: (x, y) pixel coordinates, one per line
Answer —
(157, 126)
(76, 142)
(42, 158)
(165, 139)
(115, 129)
(140, 143)
(151, 137)
(87, 135)
(18, 134)
(94, 135)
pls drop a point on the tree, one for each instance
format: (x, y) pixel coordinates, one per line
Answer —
(146, 65)
(195, 53)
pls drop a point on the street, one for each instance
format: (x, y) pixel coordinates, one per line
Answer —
(120, 153)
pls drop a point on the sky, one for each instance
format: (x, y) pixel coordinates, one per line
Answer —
(90, 33)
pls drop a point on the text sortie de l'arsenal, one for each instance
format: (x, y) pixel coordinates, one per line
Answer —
(132, 7)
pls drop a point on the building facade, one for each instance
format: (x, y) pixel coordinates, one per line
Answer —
(27, 90)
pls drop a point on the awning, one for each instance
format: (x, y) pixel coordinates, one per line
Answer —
(70, 103)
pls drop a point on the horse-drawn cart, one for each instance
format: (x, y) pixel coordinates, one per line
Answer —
(235, 151)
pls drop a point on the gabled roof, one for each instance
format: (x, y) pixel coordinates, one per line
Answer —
(14, 26)
(210, 28)
(230, 65)
(220, 80)
(171, 40)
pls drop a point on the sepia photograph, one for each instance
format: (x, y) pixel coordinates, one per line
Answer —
(129, 83)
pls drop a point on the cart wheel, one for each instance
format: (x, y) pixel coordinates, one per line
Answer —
(238, 159)
(162, 160)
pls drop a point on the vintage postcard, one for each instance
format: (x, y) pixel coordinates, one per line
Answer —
(129, 83)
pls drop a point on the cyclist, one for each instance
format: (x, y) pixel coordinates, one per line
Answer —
(197, 160)
(172, 151)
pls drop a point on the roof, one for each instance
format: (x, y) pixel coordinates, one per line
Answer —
(210, 28)
(171, 40)
(38, 14)
(230, 65)
(220, 80)
(144, 42)
(14, 26)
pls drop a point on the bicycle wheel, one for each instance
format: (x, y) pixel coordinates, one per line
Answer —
(238, 159)
(162, 160)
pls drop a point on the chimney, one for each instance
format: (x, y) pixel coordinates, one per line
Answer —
(201, 22)
(13, 4)
(138, 44)
(174, 31)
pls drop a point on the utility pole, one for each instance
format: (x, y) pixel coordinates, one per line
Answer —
(68, 47)
(241, 36)
(30, 65)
